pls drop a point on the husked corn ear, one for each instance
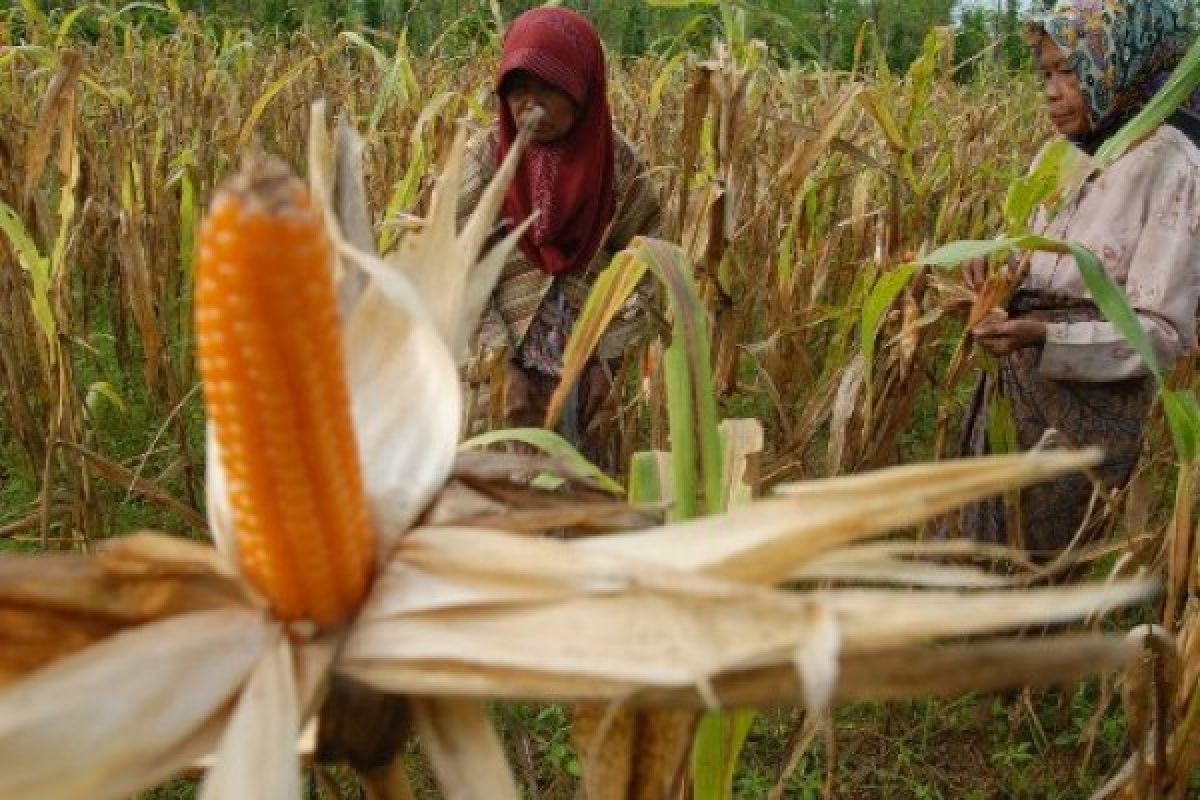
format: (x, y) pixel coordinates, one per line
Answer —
(270, 351)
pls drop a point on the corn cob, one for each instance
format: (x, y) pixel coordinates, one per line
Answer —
(270, 353)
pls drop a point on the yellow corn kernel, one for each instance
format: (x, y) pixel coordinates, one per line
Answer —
(270, 352)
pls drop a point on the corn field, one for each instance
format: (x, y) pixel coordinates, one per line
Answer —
(795, 193)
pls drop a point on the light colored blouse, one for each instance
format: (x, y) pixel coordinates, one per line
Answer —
(1141, 218)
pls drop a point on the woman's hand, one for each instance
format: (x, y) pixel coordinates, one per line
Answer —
(1002, 336)
(975, 273)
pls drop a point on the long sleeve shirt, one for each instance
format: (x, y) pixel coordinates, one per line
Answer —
(1141, 218)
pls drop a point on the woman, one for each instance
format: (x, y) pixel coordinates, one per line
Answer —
(587, 186)
(1063, 367)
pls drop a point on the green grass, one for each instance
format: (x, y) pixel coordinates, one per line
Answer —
(974, 747)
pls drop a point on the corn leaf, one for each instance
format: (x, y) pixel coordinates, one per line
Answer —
(882, 295)
(691, 396)
(1057, 166)
(464, 750)
(607, 297)
(273, 89)
(720, 739)
(551, 444)
(36, 265)
(257, 753)
(58, 726)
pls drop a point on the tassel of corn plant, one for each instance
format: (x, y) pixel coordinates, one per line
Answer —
(270, 353)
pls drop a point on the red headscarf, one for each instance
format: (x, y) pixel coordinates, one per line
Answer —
(569, 181)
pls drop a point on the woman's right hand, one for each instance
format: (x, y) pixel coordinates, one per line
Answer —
(1002, 335)
(975, 273)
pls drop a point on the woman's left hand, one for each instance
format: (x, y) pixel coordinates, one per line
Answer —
(1002, 336)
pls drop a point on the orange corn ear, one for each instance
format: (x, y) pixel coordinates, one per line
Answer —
(270, 350)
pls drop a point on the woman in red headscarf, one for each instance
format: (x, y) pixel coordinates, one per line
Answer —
(591, 196)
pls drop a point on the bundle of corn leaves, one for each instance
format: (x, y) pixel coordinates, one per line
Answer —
(334, 401)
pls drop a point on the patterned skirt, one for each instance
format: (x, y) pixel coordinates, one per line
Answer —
(1111, 415)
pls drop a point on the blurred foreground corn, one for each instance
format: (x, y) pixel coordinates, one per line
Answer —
(270, 353)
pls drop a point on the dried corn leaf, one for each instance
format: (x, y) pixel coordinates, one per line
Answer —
(742, 442)
(531, 511)
(639, 637)
(925, 671)
(604, 736)
(435, 569)
(980, 667)
(336, 181)
(257, 753)
(505, 492)
(350, 189)
(886, 563)
(847, 401)
(467, 757)
(767, 541)
(30, 640)
(664, 742)
(57, 107)
(52, 606)
(903, 673)
(871, 619)
(118, 586)
(399, 341)
(399, 370)
(590, 627)
(808, 153)
(127, 713)
(444, 266)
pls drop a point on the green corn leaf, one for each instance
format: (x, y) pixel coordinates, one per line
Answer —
(404, 195)
(691, 396)
(666, 72)
(882, 295)
(1058, 165)
(42, 55)
(189, 215)
(687, 366)
(34, 263)
(273, 89)
(552, 445)
(398, 86)
(718, 744)
(35, 14)
(680, 3)
(681, 418)
(1114, 305)
(919, 81)
(650, 479)
(68, 22)
(607, 297)
(102, 390)
(356, 39)
(955, 253)
(1001, 426)
(1183, 418)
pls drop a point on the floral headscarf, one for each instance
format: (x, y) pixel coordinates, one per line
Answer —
(1122, 50)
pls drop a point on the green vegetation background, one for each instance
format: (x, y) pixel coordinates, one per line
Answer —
(820, 30)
